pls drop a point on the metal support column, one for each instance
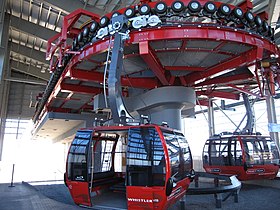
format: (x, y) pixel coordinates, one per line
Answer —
(211, 123)
(4, 70)
(271, 115)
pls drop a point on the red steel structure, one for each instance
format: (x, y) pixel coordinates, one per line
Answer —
(128, 167)
(218, 49)
(248, 157)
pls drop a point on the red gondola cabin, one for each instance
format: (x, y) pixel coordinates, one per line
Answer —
(128, 167)
(247, 156)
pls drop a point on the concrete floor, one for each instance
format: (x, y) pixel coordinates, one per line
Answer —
(23, 196)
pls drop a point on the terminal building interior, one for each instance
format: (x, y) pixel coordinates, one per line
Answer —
(139, 104)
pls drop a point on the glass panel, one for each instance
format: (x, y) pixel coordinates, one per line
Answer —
(179, 154)
(205, 154)
(260, 150)
(103, 151)
(145, 158)
(186, 152)
(235, 152)
(78, 157)
(215, 158)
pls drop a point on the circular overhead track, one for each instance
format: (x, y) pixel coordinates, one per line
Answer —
(202, 45)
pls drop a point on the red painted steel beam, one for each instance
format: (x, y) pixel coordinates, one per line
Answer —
(202, 102)
(219, 94)
(80, 89)
(206, 32)
(150, 58)
(86, 75)
(183, 81)
(59, 109)
(141, 82)
(71, 19)
(246, 5)
(198, 50)
(243, 59)
(223, 80)
(184, 68)
(243, 90)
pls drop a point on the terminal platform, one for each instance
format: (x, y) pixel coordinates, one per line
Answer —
(258, 195)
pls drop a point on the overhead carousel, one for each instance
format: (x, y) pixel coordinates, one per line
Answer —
(157, 59)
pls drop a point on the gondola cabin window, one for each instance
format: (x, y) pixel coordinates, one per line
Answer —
(179, 154)
(78, 156)
(261, 150)
(223, 152)
(145, 158)
(103, 155)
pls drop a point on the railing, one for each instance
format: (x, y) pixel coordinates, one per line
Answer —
(231, 189)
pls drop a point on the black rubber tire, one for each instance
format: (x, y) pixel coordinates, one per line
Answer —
(258, 21)
(206, 7)
(93, 26)
(265, 26)
(85, 32)
(249, 17)
(80, 37)
(130, 15)
(104, 21)
(161, 11)
(236, 13)
(194, 10)
(177, 9)
(115, 14)
(148, 11)
(224, 12)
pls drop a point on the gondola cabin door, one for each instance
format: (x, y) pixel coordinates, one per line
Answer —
(146, 169)
(154, 156)
(77, 168)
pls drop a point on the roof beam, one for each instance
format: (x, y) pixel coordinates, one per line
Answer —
(70, 6)
(244, 90)
(29, 52)
(224, 80)
(150, 58)
(30, 70)
(218, 94)
(26, 81)
(82, 89)
(245, 58)
(92, 76)
(31, 28)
